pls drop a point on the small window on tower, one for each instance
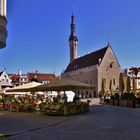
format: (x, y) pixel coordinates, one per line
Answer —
(114, 81)
(111, 66)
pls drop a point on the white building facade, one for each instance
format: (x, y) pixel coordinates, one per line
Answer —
(134, 74)
(5, 81)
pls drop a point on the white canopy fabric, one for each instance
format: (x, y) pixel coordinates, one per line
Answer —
(39, 92)
(70, 95)
(24, 87)
(17, 93)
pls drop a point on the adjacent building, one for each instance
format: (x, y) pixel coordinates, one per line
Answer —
(97, 68)
(134, 74)
(20, 79)
(5, 81)
(41, 77)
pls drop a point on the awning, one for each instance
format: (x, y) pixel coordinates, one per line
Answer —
(63, 85)
(24, 88)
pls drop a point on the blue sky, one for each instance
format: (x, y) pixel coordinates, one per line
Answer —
(38, 32)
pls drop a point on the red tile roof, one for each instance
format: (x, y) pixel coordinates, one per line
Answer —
(41, 76)
(15, 77)
(87, 60)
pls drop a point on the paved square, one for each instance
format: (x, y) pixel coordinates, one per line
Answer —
(103, 122)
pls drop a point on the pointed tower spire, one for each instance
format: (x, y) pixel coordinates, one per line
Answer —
(73, 33)
(73, 40)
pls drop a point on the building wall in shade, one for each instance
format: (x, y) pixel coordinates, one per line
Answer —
(3, 23)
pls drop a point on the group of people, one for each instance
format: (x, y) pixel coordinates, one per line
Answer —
(63, 98)
(58, 98)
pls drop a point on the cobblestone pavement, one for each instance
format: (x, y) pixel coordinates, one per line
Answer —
(103, 122)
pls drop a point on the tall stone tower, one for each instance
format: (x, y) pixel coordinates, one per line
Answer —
(3, 23)
(73, 40)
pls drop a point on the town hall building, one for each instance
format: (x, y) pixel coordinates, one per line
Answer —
(100, 68)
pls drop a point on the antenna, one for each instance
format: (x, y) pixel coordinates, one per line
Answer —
(72, 8)
(109, 45)
(108, 36)
(54, 71)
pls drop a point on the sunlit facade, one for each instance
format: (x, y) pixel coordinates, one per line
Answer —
(95, 68)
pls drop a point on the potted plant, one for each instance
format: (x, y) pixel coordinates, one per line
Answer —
(127, 100)
(116, 99)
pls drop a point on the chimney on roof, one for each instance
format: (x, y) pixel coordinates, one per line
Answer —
(19, 72)
(88, 52)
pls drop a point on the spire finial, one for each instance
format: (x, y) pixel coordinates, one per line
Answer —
(72, 10)
(72, 22)
(108, 37)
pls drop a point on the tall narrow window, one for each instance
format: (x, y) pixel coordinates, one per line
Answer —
(104, 80)
(90, 82)
(113, 81)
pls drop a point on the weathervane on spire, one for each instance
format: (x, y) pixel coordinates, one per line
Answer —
(108, 36)
(72, 9)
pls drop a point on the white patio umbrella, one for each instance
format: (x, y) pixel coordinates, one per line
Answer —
(70, 95)
(17, 93)
(24, 87)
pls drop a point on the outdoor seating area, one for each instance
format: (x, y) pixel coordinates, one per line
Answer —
(126, 99)
(24, 98)
(67, 108)
(16, 103)
(49, 106)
